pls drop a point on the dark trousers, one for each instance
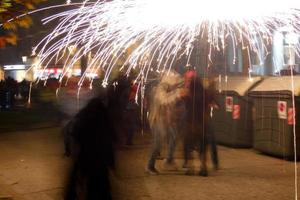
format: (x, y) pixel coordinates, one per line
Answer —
(199, 141)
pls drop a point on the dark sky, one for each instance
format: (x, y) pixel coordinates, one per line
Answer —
(28, 38)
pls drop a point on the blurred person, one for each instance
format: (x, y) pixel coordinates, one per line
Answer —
(199, 130)
(93, 136)
(125, 110)
(117, 96)
(131, 122)
(151, 83)
(24, 87)
(71, 99)
(2, 94)
(68, 118)
(67, 131)
(212, 105)
(10, 91)
(164, 116)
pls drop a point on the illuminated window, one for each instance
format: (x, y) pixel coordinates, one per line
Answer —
(289, 42)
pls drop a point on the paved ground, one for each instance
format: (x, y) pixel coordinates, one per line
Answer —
(32, 165)
(33, 168)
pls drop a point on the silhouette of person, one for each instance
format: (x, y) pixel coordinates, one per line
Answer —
(94, 156)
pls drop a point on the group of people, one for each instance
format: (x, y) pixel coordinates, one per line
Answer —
(181, 107)
(10, 89)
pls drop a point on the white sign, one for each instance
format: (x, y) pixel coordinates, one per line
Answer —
(229, 103)
(281, 109)
(14, 67)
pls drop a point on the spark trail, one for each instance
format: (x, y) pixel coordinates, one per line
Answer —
(153, 34)
(143, 34)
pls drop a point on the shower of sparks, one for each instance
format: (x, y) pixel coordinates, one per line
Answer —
(152, 35)
(147, 35)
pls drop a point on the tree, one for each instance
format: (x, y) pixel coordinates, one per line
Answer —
(10, 10)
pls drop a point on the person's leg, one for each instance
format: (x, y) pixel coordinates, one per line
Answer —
(186, 151)
(67, 130)
(98, 186)
(71, 187)
(132, 122)
(184, 131)
(172, 135)
(155, 150)
(202, 154)
(213, 145)
(169, 163)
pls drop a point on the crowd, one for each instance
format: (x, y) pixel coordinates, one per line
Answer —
(13, 92)
(179, 109)
(175, 108)
(10, 90)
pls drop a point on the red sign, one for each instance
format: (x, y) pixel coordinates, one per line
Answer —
(291, 116)
(281, 109)
(236, 112)
(229, 103)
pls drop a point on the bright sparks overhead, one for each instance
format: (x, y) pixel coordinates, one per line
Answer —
(147, 34)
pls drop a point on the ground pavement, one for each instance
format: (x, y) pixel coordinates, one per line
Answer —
(33, 168)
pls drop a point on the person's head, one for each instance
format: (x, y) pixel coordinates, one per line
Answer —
(172, 78)
(189, 68)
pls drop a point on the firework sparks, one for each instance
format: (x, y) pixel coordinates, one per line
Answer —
(131, 34)
(147, 34)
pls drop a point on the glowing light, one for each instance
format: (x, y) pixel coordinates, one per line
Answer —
(141, 34)
(150, 35)
(14, 67)
(24, 59)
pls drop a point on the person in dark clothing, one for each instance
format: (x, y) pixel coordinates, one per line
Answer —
(24, 87)
(199, 130)
(212, 104)
(131, 120)
(9, 91)
(93, 136)
(67, 131)
(123, 106)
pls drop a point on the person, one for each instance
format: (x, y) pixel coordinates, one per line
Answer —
(212, 105)
(68, 139)
(24, 87)
(130, 119)
(199, 127)
(163, 118)
(2, 95)
(123, 106)
(94, 137)
(10, 90)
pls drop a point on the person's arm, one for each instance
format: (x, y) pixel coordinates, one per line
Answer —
(165, 98)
